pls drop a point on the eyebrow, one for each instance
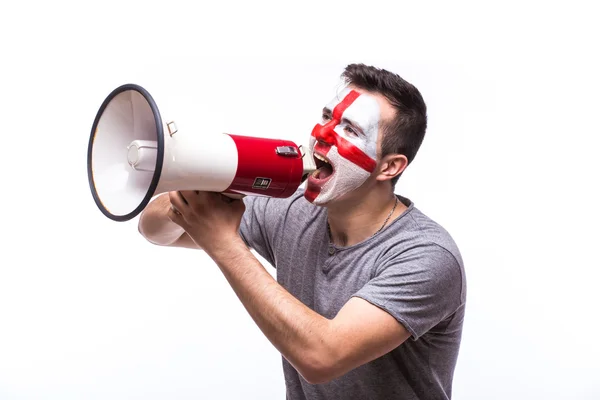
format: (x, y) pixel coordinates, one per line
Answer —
(345, 120)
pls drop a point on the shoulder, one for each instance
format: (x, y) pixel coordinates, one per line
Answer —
(418, 275)
(420, 246)
(415, 229)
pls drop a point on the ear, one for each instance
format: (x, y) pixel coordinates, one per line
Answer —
(391, 166)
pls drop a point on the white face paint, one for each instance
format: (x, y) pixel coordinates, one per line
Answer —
(347, 139)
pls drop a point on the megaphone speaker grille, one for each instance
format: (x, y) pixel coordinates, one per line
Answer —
(120, 188)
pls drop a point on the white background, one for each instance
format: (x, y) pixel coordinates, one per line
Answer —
(90, 310)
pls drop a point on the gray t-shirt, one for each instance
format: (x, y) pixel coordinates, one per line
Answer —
(412, 269)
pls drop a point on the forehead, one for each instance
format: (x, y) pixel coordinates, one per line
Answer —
(368, 108)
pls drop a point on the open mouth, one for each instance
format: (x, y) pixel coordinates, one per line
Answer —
(324, 168)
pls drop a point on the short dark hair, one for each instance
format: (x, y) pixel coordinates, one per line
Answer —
(405, 133)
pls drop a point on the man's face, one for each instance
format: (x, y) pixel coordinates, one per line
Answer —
(344, 145)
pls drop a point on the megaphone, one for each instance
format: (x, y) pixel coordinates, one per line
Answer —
(135, 153)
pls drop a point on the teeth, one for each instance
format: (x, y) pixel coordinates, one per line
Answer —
(321, 158)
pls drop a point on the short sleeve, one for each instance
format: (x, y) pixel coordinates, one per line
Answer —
(420, 287)
(253, 227)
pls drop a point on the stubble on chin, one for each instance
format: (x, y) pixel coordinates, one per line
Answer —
(348, 177)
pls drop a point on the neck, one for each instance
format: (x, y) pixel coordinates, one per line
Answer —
(356, 219)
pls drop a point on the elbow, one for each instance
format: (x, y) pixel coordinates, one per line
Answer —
(152, 232)
(319, 367)
(317, 378)
(150, 235)
(144, 231)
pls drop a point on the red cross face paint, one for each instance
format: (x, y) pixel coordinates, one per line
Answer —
(344, 145)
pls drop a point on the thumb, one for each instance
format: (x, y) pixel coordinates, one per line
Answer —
(177, 217)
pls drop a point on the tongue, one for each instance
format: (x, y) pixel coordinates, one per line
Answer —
(325, 171)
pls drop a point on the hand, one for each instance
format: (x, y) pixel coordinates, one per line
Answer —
(212, 220)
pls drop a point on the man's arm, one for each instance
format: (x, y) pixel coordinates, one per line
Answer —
(319, 348)
(156, 226)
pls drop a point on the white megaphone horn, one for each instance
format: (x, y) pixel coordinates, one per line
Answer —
(135, 153)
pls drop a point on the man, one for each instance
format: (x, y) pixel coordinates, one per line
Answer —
(370, 293)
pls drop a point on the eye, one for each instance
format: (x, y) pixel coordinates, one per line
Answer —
(348, 129)
(326, 117)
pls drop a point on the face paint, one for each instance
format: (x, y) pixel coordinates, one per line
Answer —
(347, 139)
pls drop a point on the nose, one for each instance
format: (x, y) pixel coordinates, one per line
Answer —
(325, 133)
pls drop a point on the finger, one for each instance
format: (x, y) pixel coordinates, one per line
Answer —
(178, 201)
(188, 195)
(178, 218)
(226, 199)
(206, 199)
(176, 211)
(175, 216)
(203, 194)
(180, 193)
(239, 206)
